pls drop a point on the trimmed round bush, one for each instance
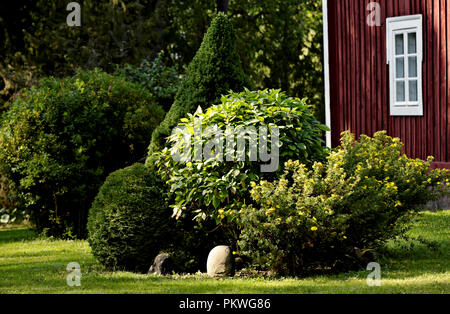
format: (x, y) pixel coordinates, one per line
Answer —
(59, 141)
(129, 222)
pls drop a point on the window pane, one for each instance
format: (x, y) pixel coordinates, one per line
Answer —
(401, 91)
(399, 44)
(413, 90)
(400, 67)
(412, 67)
(412, 45)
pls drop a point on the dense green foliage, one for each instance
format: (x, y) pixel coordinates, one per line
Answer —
(37, 35)
(279, 41)
(162, 81)
(331, 216)
(129, 222)
(60, 140)
(214, 188)
(215, 70)
(35, 40)
(280, 44)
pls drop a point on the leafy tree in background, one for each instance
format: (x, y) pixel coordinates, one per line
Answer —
(160, 80)
(279, 42)
(111, 32)
(38, 42)
(13, 20)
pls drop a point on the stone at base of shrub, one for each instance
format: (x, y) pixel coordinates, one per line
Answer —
(162, 265)
(442, 203)
(220, 262)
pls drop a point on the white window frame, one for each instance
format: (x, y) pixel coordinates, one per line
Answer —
(404, 25)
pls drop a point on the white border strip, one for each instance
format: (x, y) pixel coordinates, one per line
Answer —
(326, 71)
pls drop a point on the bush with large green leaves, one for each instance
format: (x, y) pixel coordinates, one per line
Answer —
(59, 141)
(332, 216)
(216, 189)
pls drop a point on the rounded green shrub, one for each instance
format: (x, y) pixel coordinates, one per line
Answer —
(215, 188)
(59, 141)
(215, 70)
(129, 221)
(335, 215)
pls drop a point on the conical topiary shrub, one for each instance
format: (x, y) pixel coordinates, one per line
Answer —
(215, 70)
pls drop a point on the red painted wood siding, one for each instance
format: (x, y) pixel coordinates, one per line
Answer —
(359, 75)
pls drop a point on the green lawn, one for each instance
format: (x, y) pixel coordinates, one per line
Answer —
(32, 265)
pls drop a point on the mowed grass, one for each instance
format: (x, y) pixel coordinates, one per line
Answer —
(32, 265)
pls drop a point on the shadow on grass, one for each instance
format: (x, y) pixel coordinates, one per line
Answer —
(16, 235)
(417, 268)
(50, 277)
(163, 285)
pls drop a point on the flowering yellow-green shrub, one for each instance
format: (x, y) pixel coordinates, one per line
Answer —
(327, 217)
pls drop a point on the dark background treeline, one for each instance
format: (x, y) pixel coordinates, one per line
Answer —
(279, 41)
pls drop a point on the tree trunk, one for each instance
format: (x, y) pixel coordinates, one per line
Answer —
(222, 5)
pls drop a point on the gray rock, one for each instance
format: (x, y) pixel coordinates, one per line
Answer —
(162, 265)
(443, 203)
(220, 262)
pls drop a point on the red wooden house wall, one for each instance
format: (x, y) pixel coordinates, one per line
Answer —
(359, 75)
